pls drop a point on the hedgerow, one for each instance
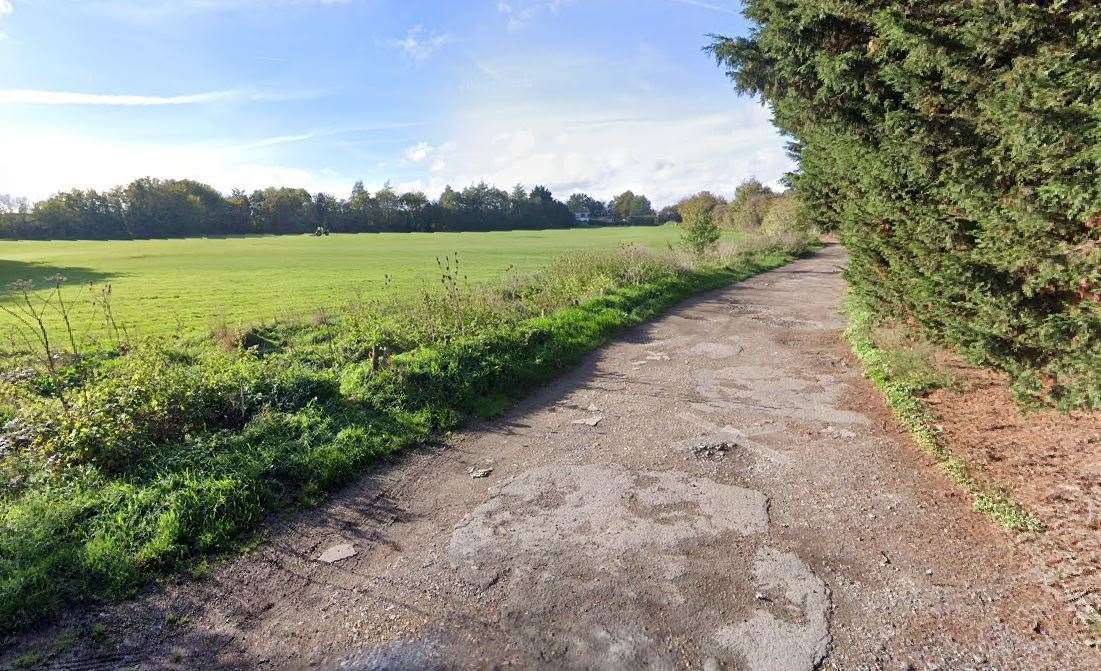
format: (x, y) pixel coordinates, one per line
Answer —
(133, 460)
(956, 146)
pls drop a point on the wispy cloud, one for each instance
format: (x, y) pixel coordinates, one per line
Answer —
(279, 140)
(419, 152)
(419, 45)
(6, 8)
(39, 97)
(520, 12)
(152, 11)
(706, 5)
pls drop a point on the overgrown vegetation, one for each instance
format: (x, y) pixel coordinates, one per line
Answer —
(699, 232)
(755, 207)
(955, 146)
(905, 375)
(128, 460)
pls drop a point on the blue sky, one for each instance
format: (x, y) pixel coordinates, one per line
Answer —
(580, 95)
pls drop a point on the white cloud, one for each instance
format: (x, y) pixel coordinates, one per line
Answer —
(6, 8)
(419, 152)
(668, 154)
(103, 163)
(39, 97)
(420, 46)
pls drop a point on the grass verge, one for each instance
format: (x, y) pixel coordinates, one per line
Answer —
(129, 463)
(903, 385)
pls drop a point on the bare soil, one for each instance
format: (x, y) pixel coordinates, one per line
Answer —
(718, 489)
(1051, 463)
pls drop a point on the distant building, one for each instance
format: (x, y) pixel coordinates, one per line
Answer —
(583, 216)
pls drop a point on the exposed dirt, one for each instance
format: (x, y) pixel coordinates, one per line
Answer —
(743, 502)
(1050, 462)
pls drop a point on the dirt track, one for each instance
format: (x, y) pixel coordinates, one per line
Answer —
(717, 489)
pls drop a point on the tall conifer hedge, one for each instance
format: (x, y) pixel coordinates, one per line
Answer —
(956, 145)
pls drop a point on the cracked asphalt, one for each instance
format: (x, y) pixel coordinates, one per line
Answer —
(717, 489)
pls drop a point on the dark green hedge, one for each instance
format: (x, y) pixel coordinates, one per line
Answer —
(956, 146)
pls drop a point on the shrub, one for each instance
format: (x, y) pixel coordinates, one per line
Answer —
(955, 146)
(751, 202)
(699, 233)
(785, 213)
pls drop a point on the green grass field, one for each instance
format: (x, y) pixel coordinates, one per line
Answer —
(187, 286)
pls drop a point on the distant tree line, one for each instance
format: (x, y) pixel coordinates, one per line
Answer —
(156, 208)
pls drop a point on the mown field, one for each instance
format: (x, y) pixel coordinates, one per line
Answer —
(191, 285)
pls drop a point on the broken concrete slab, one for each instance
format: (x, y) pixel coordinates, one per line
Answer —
(476, 473)
(337, 553)
(589, 421)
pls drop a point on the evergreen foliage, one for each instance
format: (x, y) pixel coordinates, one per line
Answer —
(955, 145)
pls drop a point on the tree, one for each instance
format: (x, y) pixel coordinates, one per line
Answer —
(751, 202)
(12, 205)
(627, 205)
(583, 201)
(785, 214)
(716, 205)
(328, 210)
(450, 198)
(954, 145)
(283, 210)
(699, 232)
(541, 195)
(669, 214)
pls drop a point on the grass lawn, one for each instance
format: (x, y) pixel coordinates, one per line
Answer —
(186, 286)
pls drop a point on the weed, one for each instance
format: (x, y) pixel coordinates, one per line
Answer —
(200, 569)
(911, 361)
(903, 378)
(63, 643)
(28, 659)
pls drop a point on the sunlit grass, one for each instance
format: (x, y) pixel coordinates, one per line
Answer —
(187, 286)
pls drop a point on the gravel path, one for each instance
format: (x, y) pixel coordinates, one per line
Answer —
(719, 489)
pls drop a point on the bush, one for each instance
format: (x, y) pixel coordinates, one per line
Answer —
(751, 202)
(955, 146)
(699, 233)
(785, 214)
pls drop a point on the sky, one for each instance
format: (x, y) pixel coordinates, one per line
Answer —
(597, 96)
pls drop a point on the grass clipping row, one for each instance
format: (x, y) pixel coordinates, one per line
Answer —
(137, 459)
